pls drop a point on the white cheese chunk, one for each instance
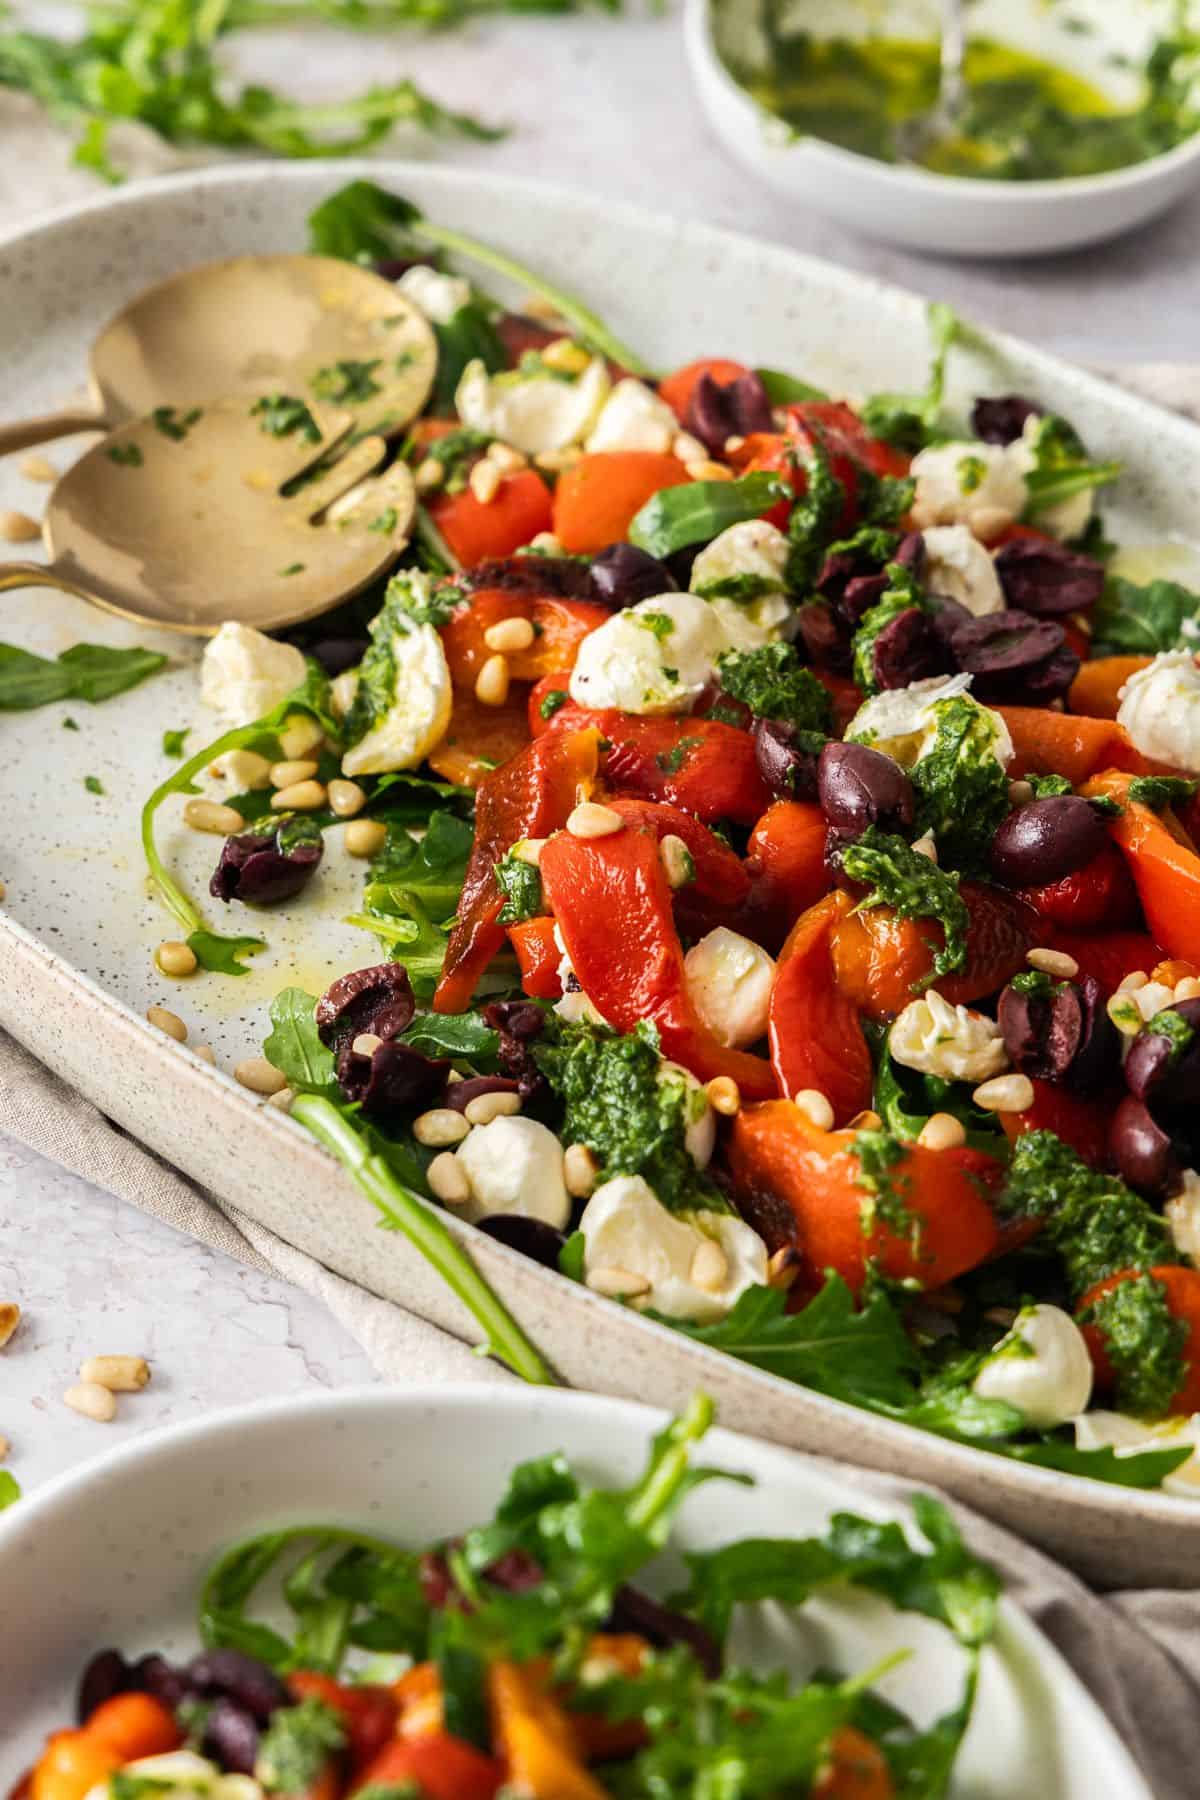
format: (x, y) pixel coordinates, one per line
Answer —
(633, 418)
(419, 714)
(700, 1121)
(958, 567)
(436, 295)
(903, 722)
(1068, 518)
(960, 483)
(244, 674)
(1127, 1436)
(1182, 1213)
(1042, 1367)
(514, 1165)
(654, 657)
(1160, 709)
(952, 1042)
(755, 548)
(625, 1226)
(729, 979)
(533, 413)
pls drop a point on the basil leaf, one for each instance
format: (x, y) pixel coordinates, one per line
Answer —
(223, 954)
(91, 672)
(788, 390)
(293, 1046)
(698, 511)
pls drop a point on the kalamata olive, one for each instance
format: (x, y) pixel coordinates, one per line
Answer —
(1163, 1063)
(378, 1000)
(635, 1611)
(1144, 1154)
(908, 649)
(825, 637)
(1000, 418)
(1015, 658)
(393, 267)
(242, 1678)
(155, 1675)
(1041, 576)
(858, 786)
(105, 1675)
(1062, 1035)
(910, 551)
(623, 575)
(394, 1077)
(785, 763)
(561, 577)
(946, 616)
(336, 655)
(437, 1583)
(1044, 840)
(859, 596)
(520, 1023)
(262, 868)
(231, 1737)
(532, 1237)
(459, 1094)
(718, 410)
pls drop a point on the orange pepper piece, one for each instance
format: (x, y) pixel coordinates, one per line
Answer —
(813, 1028)
(1163, 863)
(1096, 690)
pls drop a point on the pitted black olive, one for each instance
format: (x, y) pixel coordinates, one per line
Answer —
(1044, 840)
(153, 1674)
(241, 1678)
(1163, 1064)
(1000, 418)
(622, 575)
(532, 1237)
(562, 577)
(1060, 1032)
(858, 786)
(826, 638)
(520, 1023)
(1041, 576)
(378, 1000)
(262, 867)
(910, 551)
(1015, 659)
(106, 1675)
(718, 410)
(231, 1737)
(393, 1077)
(908, 649)
(459, 1094)
(785, 761)
(662, 1626)
(1143, 1152)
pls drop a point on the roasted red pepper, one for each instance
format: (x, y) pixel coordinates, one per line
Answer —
(1163, 862)
(702, 765)
(368, 1713)
(559, 627)
(538, 957)
(1079, 1121)
(880, 960)
(833, 427)
(1100, 894)
(440, 1766)
(814, 1030)
(786, 859)
(475, 531)
(719, 874)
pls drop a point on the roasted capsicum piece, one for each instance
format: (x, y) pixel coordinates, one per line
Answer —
(702, 765)
(881, 960)
(1163, 862)
(559, 627)
(815, 1033)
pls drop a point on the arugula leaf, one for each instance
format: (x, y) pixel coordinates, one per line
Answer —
(1129, 620)
(93, 784)
(293, 1046)
(463, 1036)
(10, 1489)
(91, 672)
(788, 390)
(220, 954)
(698, 511)
(174, 741)
(1145, 1470)
(412, 893)
(910, 420)
(1062, 467)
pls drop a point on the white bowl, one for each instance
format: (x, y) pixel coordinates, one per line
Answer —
(946, 214)
(113, 1554)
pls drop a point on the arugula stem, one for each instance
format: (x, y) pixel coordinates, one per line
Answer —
(661, 1483)
(405, 1211)
(590, 325)
(179, 781)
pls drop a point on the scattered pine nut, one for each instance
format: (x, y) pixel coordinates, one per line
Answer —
(1005, 1093)
(688, 449)
(926, 846)
(1054, 962)
(1187, 989)
(733, 444)
(39, 468)
(282, 1101)
(1130, 984)
(440, 1126)
(346, 798)
(486, 1107)
(491, 684)
(209, 815)
(1020, 792)
(300, 737)
(864, 1121)
(287, 774)
(942, 1131)
(365, 837)
(529, 850)
(205, 1052)
(3, 891)
(18, 527)
(565, 356)
(246, 769)
(708, 471)
(93, 1401)
(167, 1021)
(591, 820)
(555, 462)
(175, 958)
(447, 1179)
(366, 1044)
(507, 459)
(119, 1374)
(260, 1076)
(5, 1446)
(989, 523)
(303, 796)
(677, 861)
(430, 475)
(815, 1107)
(617, 1283)
(783, 1266)
(580, 1170)
(537, 306)
(724, 1095)
(484, 481)
(547, 543)
(509, 635)
(710, 1267)
(10, 1318)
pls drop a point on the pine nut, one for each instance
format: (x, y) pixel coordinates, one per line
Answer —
(174, 958)
(246, 769)
(724, 1095)
(864, 1121)
(119, 1374)
(346, 798)
(926, 846)
(365, 837)
(783, 1266)
(303, 796)
(708, 471)
(547, 543)
(733, 444)
(942, 1131)
(282, 1101)
(1131, 983)
(205, 1052)
(93, 1401)
(591, 820)
(447, 1180)
(1020, 792)
(529, 850)
(18, 527)
(486, 1107)
(1188, 988)
(260, 1076)
(300, 737)
(366, 1044)
(991, 522)
(39, 468)
(1005, 1093)
(491, 683)
(537, 306)
(3, 891)
(430, 475)
(507, 459)
(440, 1126)
(677, 861)
(688, 449)
(209, 815)
(710, 1267)
(1054, 962)
(484, 481)
(287, 774)
(580, 1170)
(10, 1318)
(617, 1283)
(169, 1022)
(509, 635)
(815, 1107)
(567, 357)
(1124, 1012)
(556, 461)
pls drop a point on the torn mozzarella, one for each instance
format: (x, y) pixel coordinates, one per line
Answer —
(514, 1165)
(729, 979)
(1160, 709)
(952, 1042)
(244, 674)
(626, 1226)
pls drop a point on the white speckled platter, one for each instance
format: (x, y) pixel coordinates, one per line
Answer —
(78, 927)
(393, 1465)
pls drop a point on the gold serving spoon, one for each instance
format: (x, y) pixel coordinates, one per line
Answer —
(311, 325)
(266, 511)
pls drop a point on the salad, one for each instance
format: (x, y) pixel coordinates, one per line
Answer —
(780, 838)
(520, 1660)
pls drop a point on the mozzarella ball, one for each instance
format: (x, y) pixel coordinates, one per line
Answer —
(436, 295)
(958, 482)
(244, 674)
(958, 566)
(700, 1121)
(729, 980)
(1182, 1213)
(633, 418)
(419, 714)
(533, 413)
(754, 548)
(1160, 709)
(903, 722)
(953, 1042)
(626, 1227)
(574, 1007)
(514, 1165)
(1042, 1367)
(654, 657)
(1126, 1436)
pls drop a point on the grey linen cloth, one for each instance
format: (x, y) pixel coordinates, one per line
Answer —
(1138, 1652)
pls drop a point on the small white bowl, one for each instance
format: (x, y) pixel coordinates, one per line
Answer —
(947, 214)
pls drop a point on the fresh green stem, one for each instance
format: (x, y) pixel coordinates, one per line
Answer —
(179, 781)
(405, 1211)
(657, 1494)
(588, 324)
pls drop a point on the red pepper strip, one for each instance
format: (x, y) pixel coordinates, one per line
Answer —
(1082, 1123)
(1108, 955)
(701, 765)
(612, 904)
(815, 1033)
(560, 626)
(1054, 743)
(720, 875)
(538, 957)
(1099, 894)
(833, 427)
(530, 796)
(1163, 863)
(441, 1767)
(786, 858)
(477, 532)
(1183, 1303)
(368, 1713)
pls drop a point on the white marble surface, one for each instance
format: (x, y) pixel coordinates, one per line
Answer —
(603, 105)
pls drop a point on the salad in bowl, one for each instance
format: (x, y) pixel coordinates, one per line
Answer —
(781, 883)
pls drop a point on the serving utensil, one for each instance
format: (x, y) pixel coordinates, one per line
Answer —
(914, 136)
(231, 513)
(254, 323)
